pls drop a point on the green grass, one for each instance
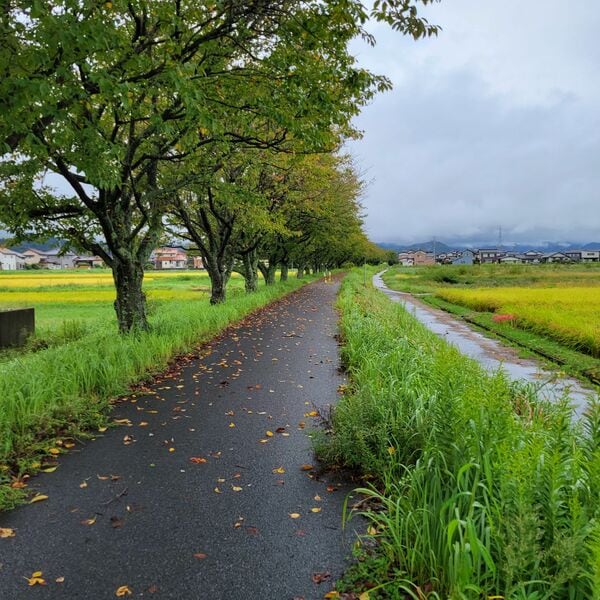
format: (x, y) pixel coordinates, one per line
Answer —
(480, 488)
(65, 389)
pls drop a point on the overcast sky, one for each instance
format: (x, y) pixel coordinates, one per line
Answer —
(495, 123)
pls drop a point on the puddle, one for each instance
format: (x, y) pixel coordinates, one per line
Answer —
(492, 355)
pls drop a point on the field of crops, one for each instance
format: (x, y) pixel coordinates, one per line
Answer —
(86, 297)
(569, 314)
(561, 302)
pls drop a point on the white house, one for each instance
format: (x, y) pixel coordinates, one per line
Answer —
(8, 260)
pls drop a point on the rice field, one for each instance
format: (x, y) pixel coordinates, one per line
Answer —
(561, 302)
(87, 296)
(569, 314)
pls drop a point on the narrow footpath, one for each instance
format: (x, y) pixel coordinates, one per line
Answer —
(491, 354)
(208, 489)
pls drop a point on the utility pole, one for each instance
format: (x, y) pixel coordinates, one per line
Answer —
(434, 254)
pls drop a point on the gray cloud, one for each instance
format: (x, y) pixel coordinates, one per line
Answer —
(477, 133)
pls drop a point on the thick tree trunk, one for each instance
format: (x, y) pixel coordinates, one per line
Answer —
(269, 274)
(300, 272)
(250, 263)
(130, 304)
(284, 272)
(218, 281)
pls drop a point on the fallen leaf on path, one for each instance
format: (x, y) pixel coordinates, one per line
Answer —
(123, 590)
(312, 413)
(301, 425)
(60, 580)
(49, 469)
(279, 470)
(128, 439)
(38, 498)
(5, 532)
(321, 577)
(89, 521)
(69, 445)
(200, 555)
(315, 509)
(263, 441)
(231, 424)
(199, 460)
(269, 434)
(331, 488)
(306, 468)
(318, 498)
(171, 449)
(217, 490)
(18, 484)
(332, 594)
(294, 515)
(54, 451)
(252, 530)
(230, 413)
(236, 488)
(280, 430)
(116, 522)
(83, 484)
(143, 424)
(123, 422)
(102, 429)
(36, 579)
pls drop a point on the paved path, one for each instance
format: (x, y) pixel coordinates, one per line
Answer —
(491, 354)
(131, 508)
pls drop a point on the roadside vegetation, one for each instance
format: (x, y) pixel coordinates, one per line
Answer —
(477, 488)
(60, 387)
(552, 310)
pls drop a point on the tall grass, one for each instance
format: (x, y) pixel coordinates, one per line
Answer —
(67, 388)
(484, 490)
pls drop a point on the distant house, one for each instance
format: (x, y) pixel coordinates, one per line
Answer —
(590, 255)
(88, 262)
(466, 257)
(169, 258)
(422, 258)
(9, 260)
(555, 257)
(33, 257)
(406, 259)
(531, 257)
(195, 262)
(490, 255)
(510, 259)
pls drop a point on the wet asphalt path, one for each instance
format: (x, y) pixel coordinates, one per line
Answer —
(131, 508)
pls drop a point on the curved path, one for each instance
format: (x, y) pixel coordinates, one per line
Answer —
(247, 517)
(491, 354)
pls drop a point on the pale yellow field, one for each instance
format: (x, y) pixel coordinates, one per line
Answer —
(569, 314)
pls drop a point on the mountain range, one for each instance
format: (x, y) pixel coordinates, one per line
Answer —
(442, 247)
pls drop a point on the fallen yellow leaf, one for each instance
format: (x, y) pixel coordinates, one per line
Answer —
(269, 434)
(123, 591)
(332, 594)
(60, 580)
(279, 470)
(102, 429)
(294, 515)
(54, 451)
(83, 484)
(171, 449)
(49, 469)
(217, 490)
(36, 579)
(306, 468)
(364, 596)
(38, 498)
(263, 441)
(6, 533)
(89, 521)
(236, 488)
(316, 509)
(69, 445)
(231, 424)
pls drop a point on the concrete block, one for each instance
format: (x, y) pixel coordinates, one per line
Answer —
(16, 326)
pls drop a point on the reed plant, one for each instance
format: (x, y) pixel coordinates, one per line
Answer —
(482, 490)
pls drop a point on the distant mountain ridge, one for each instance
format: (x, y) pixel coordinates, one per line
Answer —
(441, 247)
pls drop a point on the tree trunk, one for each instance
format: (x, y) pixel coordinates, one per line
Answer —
(218, 281)
(130, 304)
(270, 272)
(300, 272)
(284, 272)
(250, 263)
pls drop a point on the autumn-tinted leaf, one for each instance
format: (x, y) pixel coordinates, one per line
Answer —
(38, 498)
(6, 532)
(321, 577)
(199, 460)
(122, 591)
(200, 555)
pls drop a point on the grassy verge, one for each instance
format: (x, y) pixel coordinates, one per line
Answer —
(64, 391)
(481, 490)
